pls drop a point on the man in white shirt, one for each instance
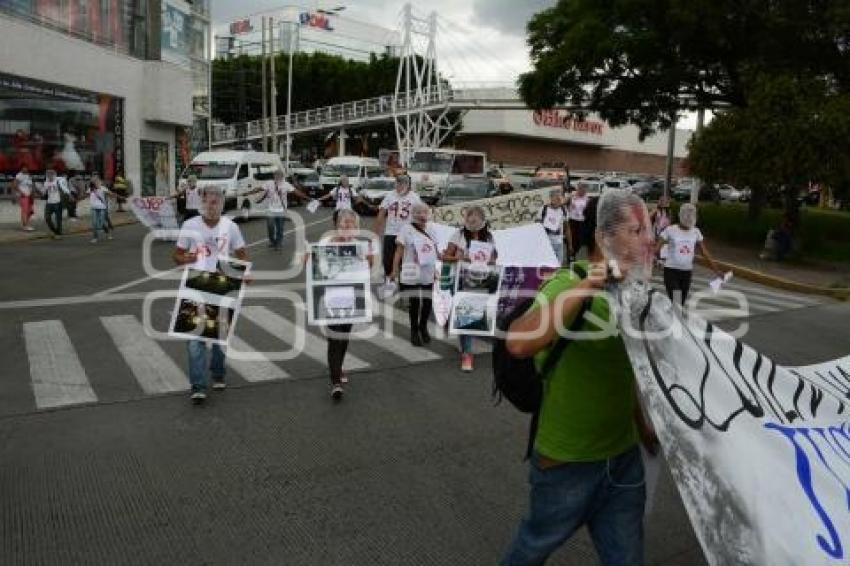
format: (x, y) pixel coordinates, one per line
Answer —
(394, 213)
(23, 187)
(275, 193)
(202, 242)
(53, 209)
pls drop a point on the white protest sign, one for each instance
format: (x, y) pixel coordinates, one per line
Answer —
(760, 452)
(155, 212)
(338, 283)
(313, 206)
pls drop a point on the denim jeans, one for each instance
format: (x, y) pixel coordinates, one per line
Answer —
(465, 344)
(98, 217)
(198, 363)
(53, 217)
(274, 226)
(606, 495)
(558, 247)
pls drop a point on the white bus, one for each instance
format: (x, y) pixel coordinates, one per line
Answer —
(431, 168)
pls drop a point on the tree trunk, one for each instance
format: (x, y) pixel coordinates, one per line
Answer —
(757, 201)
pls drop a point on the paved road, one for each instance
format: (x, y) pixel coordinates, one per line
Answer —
(105, 461)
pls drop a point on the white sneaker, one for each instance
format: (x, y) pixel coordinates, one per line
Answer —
(93, 240)
(29, 229)
(199, 397)
(109, 237)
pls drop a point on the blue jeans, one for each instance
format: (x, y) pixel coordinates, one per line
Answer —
(98, 220)
(198, 363)
(465, 344)
(274, 226)
(606, 495)
(558, 248)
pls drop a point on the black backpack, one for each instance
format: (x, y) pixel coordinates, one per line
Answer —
(517, 379)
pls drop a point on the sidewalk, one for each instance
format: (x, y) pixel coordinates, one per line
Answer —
(10, 221)
(801, 274)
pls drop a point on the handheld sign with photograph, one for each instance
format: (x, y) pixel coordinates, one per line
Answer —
(476, 299)
(338, 284)
(208, 302)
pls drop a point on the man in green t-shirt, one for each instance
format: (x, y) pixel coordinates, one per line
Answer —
(586, 467)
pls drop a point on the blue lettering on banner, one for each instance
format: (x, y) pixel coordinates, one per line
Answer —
(837, 440)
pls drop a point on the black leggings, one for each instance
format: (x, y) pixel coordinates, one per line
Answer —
(337, 346)
(576, 236)
(420, 304)
(677, 280)
(388, 254)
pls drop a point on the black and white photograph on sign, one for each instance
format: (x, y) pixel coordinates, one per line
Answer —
(201, 321)
(345, 303)
(478, 278)
(474, 314)
(339, 262)
(226, 281)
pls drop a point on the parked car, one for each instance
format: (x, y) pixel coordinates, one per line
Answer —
(649, 190)
(616, 183)
(728, 193)
(501, 180)
(374, 192)
(593, 187)
(746, 195)
(466, 189)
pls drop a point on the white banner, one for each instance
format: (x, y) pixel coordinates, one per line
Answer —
(515, 209)
(519, 246)
(760, 452)
(155, 212)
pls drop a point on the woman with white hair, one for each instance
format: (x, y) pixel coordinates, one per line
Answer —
(682, 241)
(415, 268)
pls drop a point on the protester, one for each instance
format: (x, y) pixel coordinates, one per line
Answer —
(343, 195)
(783, 238)
(577, 204)
(276, 191)
(99, 200)
(189, 197)
(474, 229)
(414, 267)
(69, 196)
(586, 467)
(393, 214)
(203, 241)
(553, 216)
(23, 187)
(347, 229)
(660, 219)
(53, 208)
(107, 221)
(682, 240)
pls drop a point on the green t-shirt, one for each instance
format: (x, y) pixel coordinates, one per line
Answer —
(588, 404)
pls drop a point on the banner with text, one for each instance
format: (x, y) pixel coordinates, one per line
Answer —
(515, 209)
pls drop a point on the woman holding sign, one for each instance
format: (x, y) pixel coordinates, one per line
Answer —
(415, 268)
(682, 240)
(473, 243)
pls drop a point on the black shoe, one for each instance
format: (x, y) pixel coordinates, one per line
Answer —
(336, 392)
(415, 339)
(218, 383)
(198, 396)
(423, 333)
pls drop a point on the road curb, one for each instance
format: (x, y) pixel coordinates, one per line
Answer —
(82, 227)
(840, 293)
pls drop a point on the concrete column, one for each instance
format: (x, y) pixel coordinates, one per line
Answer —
(341, 144)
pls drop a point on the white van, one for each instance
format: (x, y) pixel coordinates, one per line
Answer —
(357, 169)
(431, 168)
(238, 172)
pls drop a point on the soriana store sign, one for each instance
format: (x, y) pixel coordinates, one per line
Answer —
(555, 119)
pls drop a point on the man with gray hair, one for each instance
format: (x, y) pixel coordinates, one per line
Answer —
(202, 242)
(586, 467)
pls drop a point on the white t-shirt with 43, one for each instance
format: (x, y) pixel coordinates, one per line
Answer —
(681, 246)
(211, 243)
(343, 196)
(399, 210)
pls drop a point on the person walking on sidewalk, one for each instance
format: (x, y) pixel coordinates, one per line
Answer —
(107, 221)
(415, 268)
(53, 208)
(394, 213)
(275, 192)
(473, 243)
(23, 187)
(99, 200)
(585, 465)
(682, 241)
(203, 241)
(554, 216)
(347, 229)
(576, 207)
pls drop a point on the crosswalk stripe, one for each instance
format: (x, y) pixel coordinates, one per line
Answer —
(701, 283)
(780, 301)
(252, 370)
(155, 371)
(57, 375)
(397, 345)
(315, 346)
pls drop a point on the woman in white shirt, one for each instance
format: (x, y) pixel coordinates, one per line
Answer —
(682, 241)
(472, 243)
(414, 267)
(576, 206)
(99, 201)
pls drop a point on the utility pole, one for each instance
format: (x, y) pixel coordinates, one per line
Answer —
(697, 182)
(264, 122)
(297, 29)
(272, 64)
(671, 145)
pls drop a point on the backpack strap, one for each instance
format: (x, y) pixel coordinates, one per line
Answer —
(555, 355)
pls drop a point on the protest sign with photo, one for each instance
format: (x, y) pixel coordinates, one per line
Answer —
(506, 211)
(760, 452)
(208, 302)
(338, 284)
(476, 299)
(155, 212)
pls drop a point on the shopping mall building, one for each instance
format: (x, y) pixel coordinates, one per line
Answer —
(114, 87)
(524, 137)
